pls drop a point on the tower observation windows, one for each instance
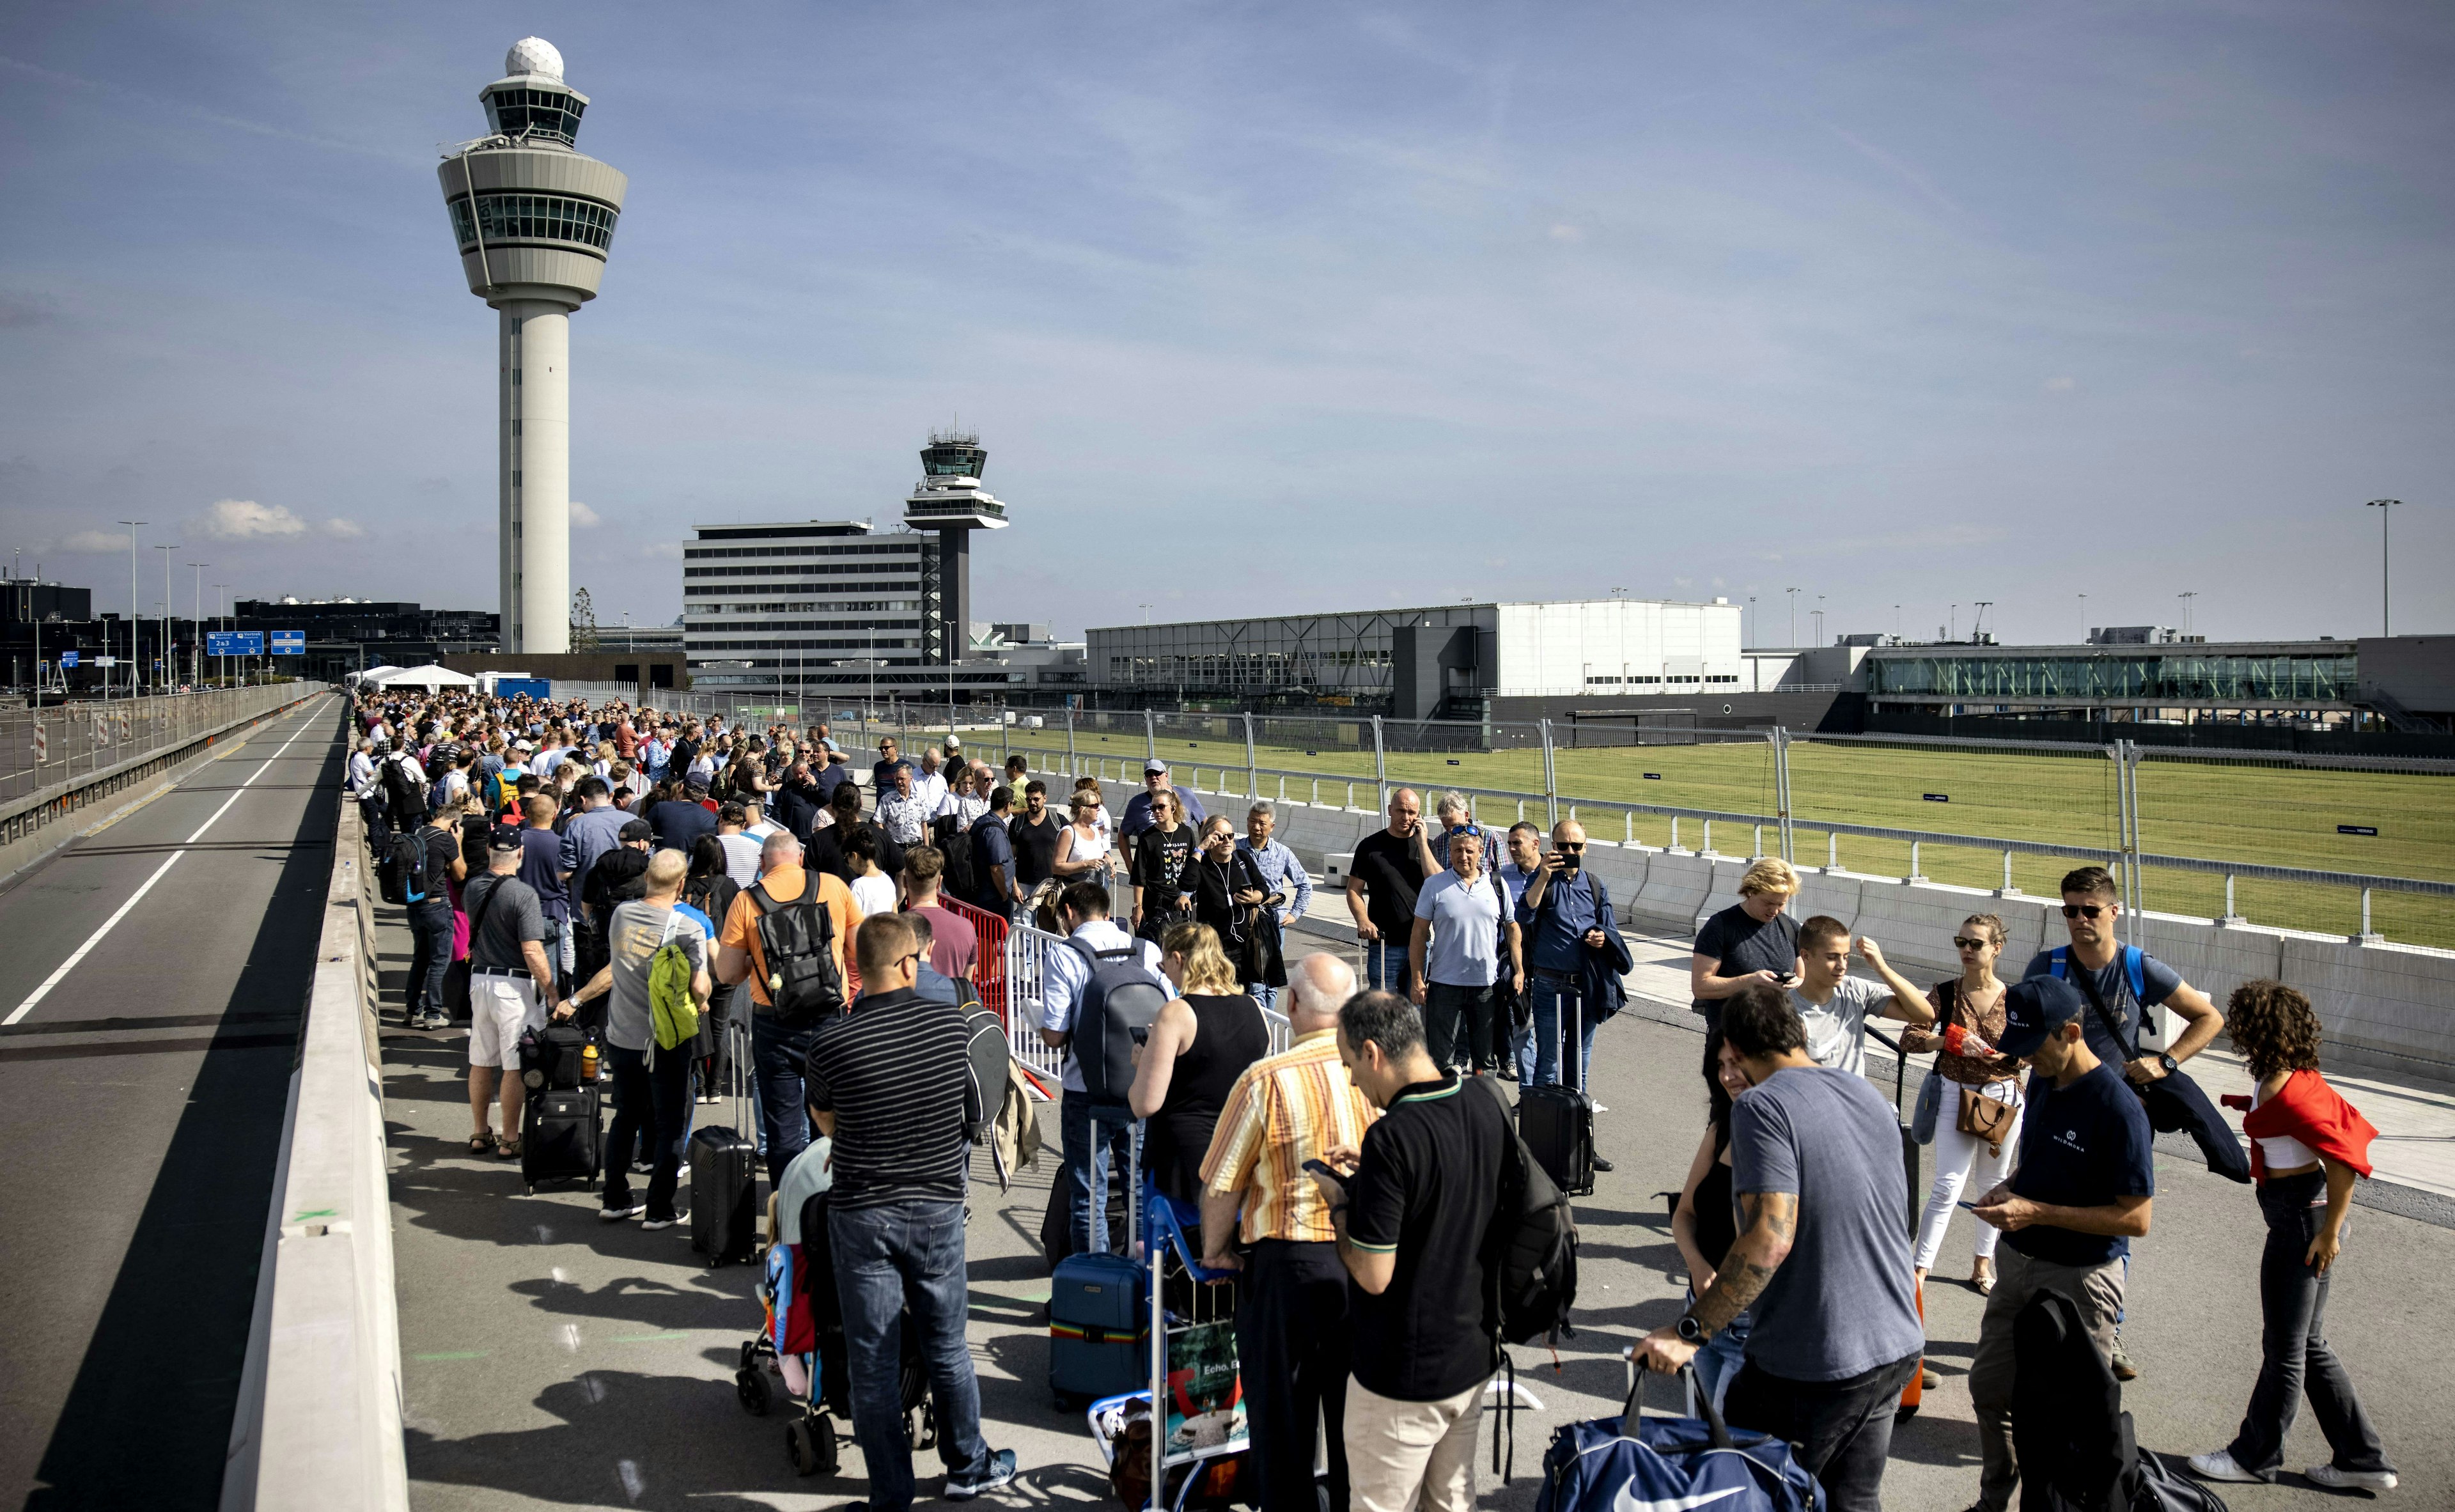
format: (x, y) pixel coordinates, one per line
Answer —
(547, 114)
(535, 217)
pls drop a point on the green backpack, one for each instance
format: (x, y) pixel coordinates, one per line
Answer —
(670, 1011)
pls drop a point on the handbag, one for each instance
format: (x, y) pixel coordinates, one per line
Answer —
(2175, 1103)
(1979, 1116)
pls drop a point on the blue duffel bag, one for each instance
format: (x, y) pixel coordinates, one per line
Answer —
(1634, 1463)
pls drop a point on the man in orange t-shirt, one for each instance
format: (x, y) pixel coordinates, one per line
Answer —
(777, 1054)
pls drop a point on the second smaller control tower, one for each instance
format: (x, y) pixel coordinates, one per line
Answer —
(949, 500)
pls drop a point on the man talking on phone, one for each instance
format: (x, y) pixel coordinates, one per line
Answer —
(1567, 926)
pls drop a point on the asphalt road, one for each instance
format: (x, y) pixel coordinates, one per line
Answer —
(554, 1361)
(141, 1102)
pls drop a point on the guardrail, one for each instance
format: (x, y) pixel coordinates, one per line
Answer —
(54, 746)
(1026, 963)
(319, 1423)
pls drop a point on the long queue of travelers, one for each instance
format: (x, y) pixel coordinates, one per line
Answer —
(1356, 1178)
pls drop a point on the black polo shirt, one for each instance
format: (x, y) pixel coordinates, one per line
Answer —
(894, 1071)
(1425, 1188)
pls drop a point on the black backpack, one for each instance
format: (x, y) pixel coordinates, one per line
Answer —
(1534, 1245)
(403, 793)
(1118, 1001)
(947, 834)
(796, 946)
(402, 877)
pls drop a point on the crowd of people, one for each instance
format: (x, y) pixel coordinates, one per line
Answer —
(1354, 1177)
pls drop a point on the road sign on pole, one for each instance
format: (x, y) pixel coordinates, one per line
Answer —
(235, 642)
(290, 642)
(68, 658)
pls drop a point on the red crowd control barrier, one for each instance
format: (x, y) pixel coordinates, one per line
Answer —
(990, 962)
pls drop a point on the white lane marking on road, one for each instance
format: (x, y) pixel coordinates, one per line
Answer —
(112, 922)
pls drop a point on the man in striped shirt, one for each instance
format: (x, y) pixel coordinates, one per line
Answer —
(1291, 1332)
(889, 1082)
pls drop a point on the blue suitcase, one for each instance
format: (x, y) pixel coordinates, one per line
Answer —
(1099, 1305)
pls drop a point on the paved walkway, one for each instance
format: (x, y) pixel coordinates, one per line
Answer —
(552, 1361)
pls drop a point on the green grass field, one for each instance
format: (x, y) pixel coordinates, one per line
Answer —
(2268, 814)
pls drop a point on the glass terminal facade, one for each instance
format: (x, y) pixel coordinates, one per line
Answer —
(2303, 675)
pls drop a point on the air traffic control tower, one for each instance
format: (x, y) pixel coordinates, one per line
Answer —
(534, 220)
(949, 500)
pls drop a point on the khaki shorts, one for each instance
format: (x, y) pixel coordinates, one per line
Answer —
(500, 1008)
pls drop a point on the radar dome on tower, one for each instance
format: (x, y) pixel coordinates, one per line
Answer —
(533, 56)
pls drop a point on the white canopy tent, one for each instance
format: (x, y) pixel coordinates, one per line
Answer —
(431, 676)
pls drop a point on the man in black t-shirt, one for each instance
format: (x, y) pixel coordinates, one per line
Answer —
(1414, 1231)
(1381, 888)
(1752, 941)
(1034, 833)
(889, 1083)
(430, 923)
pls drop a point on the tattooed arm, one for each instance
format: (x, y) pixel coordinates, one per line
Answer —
(1773, 1223)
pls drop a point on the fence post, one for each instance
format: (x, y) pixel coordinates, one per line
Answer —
(1709, 839)
(1780, 793)
(1380, 767)
(1150, 736)
(1915, 875)
(1832, 851)
(1760, 847)
(2009, 891)
(1072, 768)
(2366, 937)
(1550, 784)
(2230, 917)
(1674, 831)
(1252, 769)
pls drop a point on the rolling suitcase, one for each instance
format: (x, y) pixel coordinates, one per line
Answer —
(561, 1136)
(1099, 1305)
(1913, 1393)
(1556, 1120)
(724, 1179)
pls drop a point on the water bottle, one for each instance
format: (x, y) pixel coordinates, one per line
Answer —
(588, 1063)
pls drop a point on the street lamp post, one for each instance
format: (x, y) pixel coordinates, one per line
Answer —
(2386, 620)
(169, 674)
(196, 658)
(1793, 616)
(2186, 599)
(132, 615)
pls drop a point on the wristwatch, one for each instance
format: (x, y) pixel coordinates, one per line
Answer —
(1689, 1329)
(2169, 1062)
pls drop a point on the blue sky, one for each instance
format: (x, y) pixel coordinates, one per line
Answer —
(1269, 309)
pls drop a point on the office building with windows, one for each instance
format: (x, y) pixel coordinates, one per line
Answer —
(1451, 661)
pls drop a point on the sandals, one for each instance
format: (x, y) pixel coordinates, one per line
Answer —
(482, 1142)
(1985, 1284)
(508, 1149)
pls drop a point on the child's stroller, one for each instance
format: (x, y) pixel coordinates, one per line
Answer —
(803, 1345)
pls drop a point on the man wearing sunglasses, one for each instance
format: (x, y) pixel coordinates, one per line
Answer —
(1573, 953)
(2129, 981)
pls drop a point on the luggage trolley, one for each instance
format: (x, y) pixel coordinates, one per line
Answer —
(1197, 1432)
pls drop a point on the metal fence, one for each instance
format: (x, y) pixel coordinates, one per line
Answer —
(1025, 968)
(54, 746)
(2339, 845)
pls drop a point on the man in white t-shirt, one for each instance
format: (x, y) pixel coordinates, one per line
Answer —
(1834, 1005)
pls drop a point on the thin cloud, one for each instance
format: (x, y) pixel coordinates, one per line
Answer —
(341, 529)
(93, 542)
(582, 518)
(244, 519)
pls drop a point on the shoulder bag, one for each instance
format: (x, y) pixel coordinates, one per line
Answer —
(2175, 1103)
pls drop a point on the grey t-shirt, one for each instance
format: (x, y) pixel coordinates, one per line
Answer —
(1837, 1030)
(1464, 950)
(638, 929)
(1840, 1303)
(498, 924)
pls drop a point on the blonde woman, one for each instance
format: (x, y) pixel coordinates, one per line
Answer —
(1974, 1001)
(1199, 1045)
(1083, 850)
(1752, 941)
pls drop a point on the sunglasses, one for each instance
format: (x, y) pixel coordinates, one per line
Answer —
(2085, 910)
(1577, 845)
(1964, 942)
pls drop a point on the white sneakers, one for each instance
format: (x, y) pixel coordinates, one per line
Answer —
(2218, 1465)
(2335, 1480)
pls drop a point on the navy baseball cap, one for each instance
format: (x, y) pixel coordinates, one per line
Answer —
(2033, 1009)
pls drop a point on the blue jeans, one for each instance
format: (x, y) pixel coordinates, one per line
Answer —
(1547, 1034)
(890, 1258)
(430, 957)
(1719, 1357)
(1262, 993)
(776, 1057)
(1385, 967)
(1110, 1152)
(654, 1103)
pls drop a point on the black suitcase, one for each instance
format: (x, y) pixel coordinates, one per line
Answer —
(724, 1179)
(561, 1136)
(1556, 1120)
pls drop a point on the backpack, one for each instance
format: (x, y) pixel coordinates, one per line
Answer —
(947, 834)
(671, 1011)
(403, 793)
(797, 948)
(1535, 1238)
(1119, 999)
(402, 877)
(988, 1052)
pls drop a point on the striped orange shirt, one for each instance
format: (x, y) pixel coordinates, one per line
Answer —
(1284, 1110)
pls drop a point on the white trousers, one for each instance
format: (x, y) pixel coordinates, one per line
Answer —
(1961, 1162)
(1411, 1456)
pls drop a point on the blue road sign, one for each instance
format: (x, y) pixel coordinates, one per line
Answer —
(290, 642)
(234, 642)
(68, 658)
